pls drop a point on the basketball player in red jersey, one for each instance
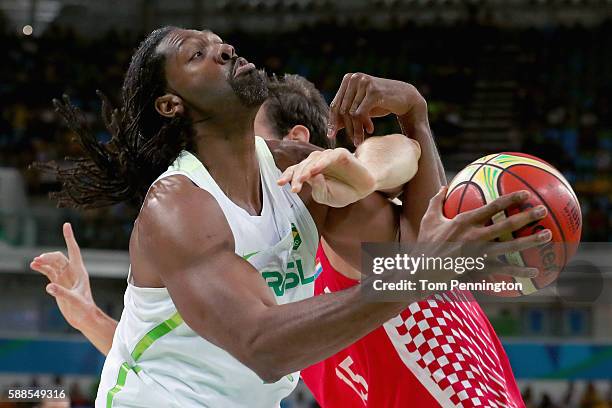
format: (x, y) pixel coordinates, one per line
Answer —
(391, 366)
(438, 352)
(377, 371)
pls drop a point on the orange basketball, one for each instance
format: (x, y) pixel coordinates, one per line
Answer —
(492, 176)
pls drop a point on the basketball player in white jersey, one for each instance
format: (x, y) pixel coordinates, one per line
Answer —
(305, 122)
(218, 309)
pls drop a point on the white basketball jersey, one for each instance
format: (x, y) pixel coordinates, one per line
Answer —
(157, 361)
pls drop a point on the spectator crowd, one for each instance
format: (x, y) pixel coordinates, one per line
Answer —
(561, 103)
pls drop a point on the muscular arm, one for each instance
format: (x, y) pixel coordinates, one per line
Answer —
(70, 284)
(362, 97)
(182, 236)
(430, 175)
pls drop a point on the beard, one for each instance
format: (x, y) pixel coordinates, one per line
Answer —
(250, 88)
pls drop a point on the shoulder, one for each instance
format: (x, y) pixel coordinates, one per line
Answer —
(179, 216)
(289, 152)
(173, 196)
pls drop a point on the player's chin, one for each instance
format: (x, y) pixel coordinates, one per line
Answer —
(252, 76)
(250, 87)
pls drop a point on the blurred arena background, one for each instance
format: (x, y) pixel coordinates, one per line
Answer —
(517, 75)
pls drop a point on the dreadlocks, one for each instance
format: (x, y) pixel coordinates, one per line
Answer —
(143, 143)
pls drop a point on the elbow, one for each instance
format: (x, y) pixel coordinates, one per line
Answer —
(262, 364)
(267, 370)
(269, 376)
(265, 359)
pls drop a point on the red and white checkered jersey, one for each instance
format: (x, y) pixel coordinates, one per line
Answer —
(438, 352)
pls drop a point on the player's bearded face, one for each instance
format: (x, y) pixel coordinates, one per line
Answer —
(207, 74)
(250, 87)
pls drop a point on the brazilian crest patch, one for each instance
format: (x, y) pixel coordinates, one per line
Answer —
(297, 240)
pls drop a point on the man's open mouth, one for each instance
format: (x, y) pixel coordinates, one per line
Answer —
(242, 66)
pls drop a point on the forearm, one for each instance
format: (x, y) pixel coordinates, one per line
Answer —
(430, 175)
(317, 328)
(99, 328)
(392, 160)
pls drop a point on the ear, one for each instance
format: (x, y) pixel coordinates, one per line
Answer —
(298, 133)
(169, 105)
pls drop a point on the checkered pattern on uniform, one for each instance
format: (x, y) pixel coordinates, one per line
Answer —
(442, 335)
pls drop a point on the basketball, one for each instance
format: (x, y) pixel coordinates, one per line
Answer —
(494, 175)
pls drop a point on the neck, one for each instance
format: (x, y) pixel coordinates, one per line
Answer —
(226, 146)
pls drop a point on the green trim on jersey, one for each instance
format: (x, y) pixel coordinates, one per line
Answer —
(158, 331)
(123, 372)
(154, 334)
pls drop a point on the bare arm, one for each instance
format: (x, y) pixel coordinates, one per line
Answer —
(69, 285)
(69, 279)
(385, 164)
(430, 176)
(342, 188)
(188, 242)
(392, 160)
(362, 97)
(182, 236)
(99, 328)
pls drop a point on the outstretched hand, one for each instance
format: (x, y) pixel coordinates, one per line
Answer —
(68, 280)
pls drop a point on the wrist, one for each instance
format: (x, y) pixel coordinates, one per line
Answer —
(413, 103)
(92, 316)
(414, 106)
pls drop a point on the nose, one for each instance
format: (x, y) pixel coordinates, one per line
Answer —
(225, 53)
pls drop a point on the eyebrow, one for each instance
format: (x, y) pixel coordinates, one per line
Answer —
(216, 39)
(181, 43)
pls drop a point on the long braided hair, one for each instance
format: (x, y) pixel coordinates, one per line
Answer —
(143, 143)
